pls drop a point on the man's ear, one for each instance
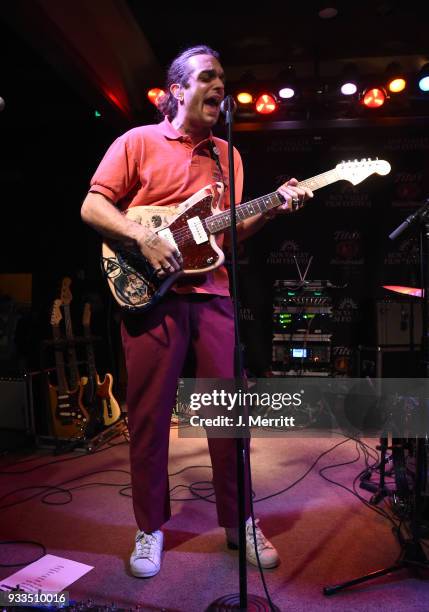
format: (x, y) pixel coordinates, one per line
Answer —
(176, 91)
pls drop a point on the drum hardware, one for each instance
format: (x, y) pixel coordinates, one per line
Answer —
(407, 452)
(380, 490)
(413, 291)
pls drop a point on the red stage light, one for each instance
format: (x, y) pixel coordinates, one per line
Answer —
(266, 104)
(117, 101)
(374, 98)
(155, 95)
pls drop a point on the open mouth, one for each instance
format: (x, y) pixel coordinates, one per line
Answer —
(212, 102)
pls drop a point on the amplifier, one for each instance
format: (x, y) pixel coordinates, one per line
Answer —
(16, 404)
(16, 412)
(395, 320)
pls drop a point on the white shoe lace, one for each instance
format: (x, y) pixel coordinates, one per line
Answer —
(261, 540)
(144, 545)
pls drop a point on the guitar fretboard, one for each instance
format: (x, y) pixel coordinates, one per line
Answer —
(90, 355)
(221, 221)
(59, 363)
(73, 367)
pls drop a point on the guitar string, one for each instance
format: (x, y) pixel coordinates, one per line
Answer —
(182, 236)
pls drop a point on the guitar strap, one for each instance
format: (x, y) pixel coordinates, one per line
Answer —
(214, 154)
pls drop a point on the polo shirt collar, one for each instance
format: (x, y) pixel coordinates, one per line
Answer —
(170, 132)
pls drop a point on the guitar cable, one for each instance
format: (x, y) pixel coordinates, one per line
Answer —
(200, 490)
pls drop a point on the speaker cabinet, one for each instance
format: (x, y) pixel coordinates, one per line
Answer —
(16, 413)
(399, 323)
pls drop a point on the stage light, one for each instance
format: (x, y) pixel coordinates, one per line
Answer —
(348, 89)
(395, 78)
(374, 97)
(349, 80)
(286, 93)
(119, 99)
(397, 85)
(244, 97)
(243, 88)
(155, 94)
(287, 83)
(327, 10)
(265, 104)
(424, 78)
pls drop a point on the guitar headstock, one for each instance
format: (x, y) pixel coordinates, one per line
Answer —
(66, 296)
(86, 318)
(56, 315)
(358, 170)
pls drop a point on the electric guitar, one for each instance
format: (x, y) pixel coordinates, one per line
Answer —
(192, 227)
(99, 395)
(73, 369)
(68, 418)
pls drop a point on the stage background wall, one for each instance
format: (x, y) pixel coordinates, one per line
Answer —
(345, 228)
(44, 176)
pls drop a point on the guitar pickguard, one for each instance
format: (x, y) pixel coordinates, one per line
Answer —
(132, 279)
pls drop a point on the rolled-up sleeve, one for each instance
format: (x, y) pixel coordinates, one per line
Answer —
(117, 172)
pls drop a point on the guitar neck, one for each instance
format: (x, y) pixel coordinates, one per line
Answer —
(218, 223)
(90, 356)
(74, 370)
(59, 363)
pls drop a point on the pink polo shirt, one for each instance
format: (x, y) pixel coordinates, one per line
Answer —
(156, 165)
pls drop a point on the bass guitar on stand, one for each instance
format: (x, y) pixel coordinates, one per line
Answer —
(98, 395)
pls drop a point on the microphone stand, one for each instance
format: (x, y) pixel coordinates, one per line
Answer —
(238, 601)
(412, 556)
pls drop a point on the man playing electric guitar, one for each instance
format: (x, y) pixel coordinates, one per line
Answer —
(164, 165)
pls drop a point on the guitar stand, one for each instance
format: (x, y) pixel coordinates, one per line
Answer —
(112, 431)
(89, 445)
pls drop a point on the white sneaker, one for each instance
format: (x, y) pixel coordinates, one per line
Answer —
(145, 560)
(268, 555)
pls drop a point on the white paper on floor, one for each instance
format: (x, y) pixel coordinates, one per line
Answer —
(48, 574)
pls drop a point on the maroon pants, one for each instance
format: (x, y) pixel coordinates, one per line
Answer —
(156, 345)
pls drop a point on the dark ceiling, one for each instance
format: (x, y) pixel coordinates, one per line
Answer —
(290, 32)
(110, 51)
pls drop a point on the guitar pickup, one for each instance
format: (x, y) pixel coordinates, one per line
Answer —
(167, 235)
(198, 232)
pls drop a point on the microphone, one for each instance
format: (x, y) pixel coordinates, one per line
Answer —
(228, 105)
